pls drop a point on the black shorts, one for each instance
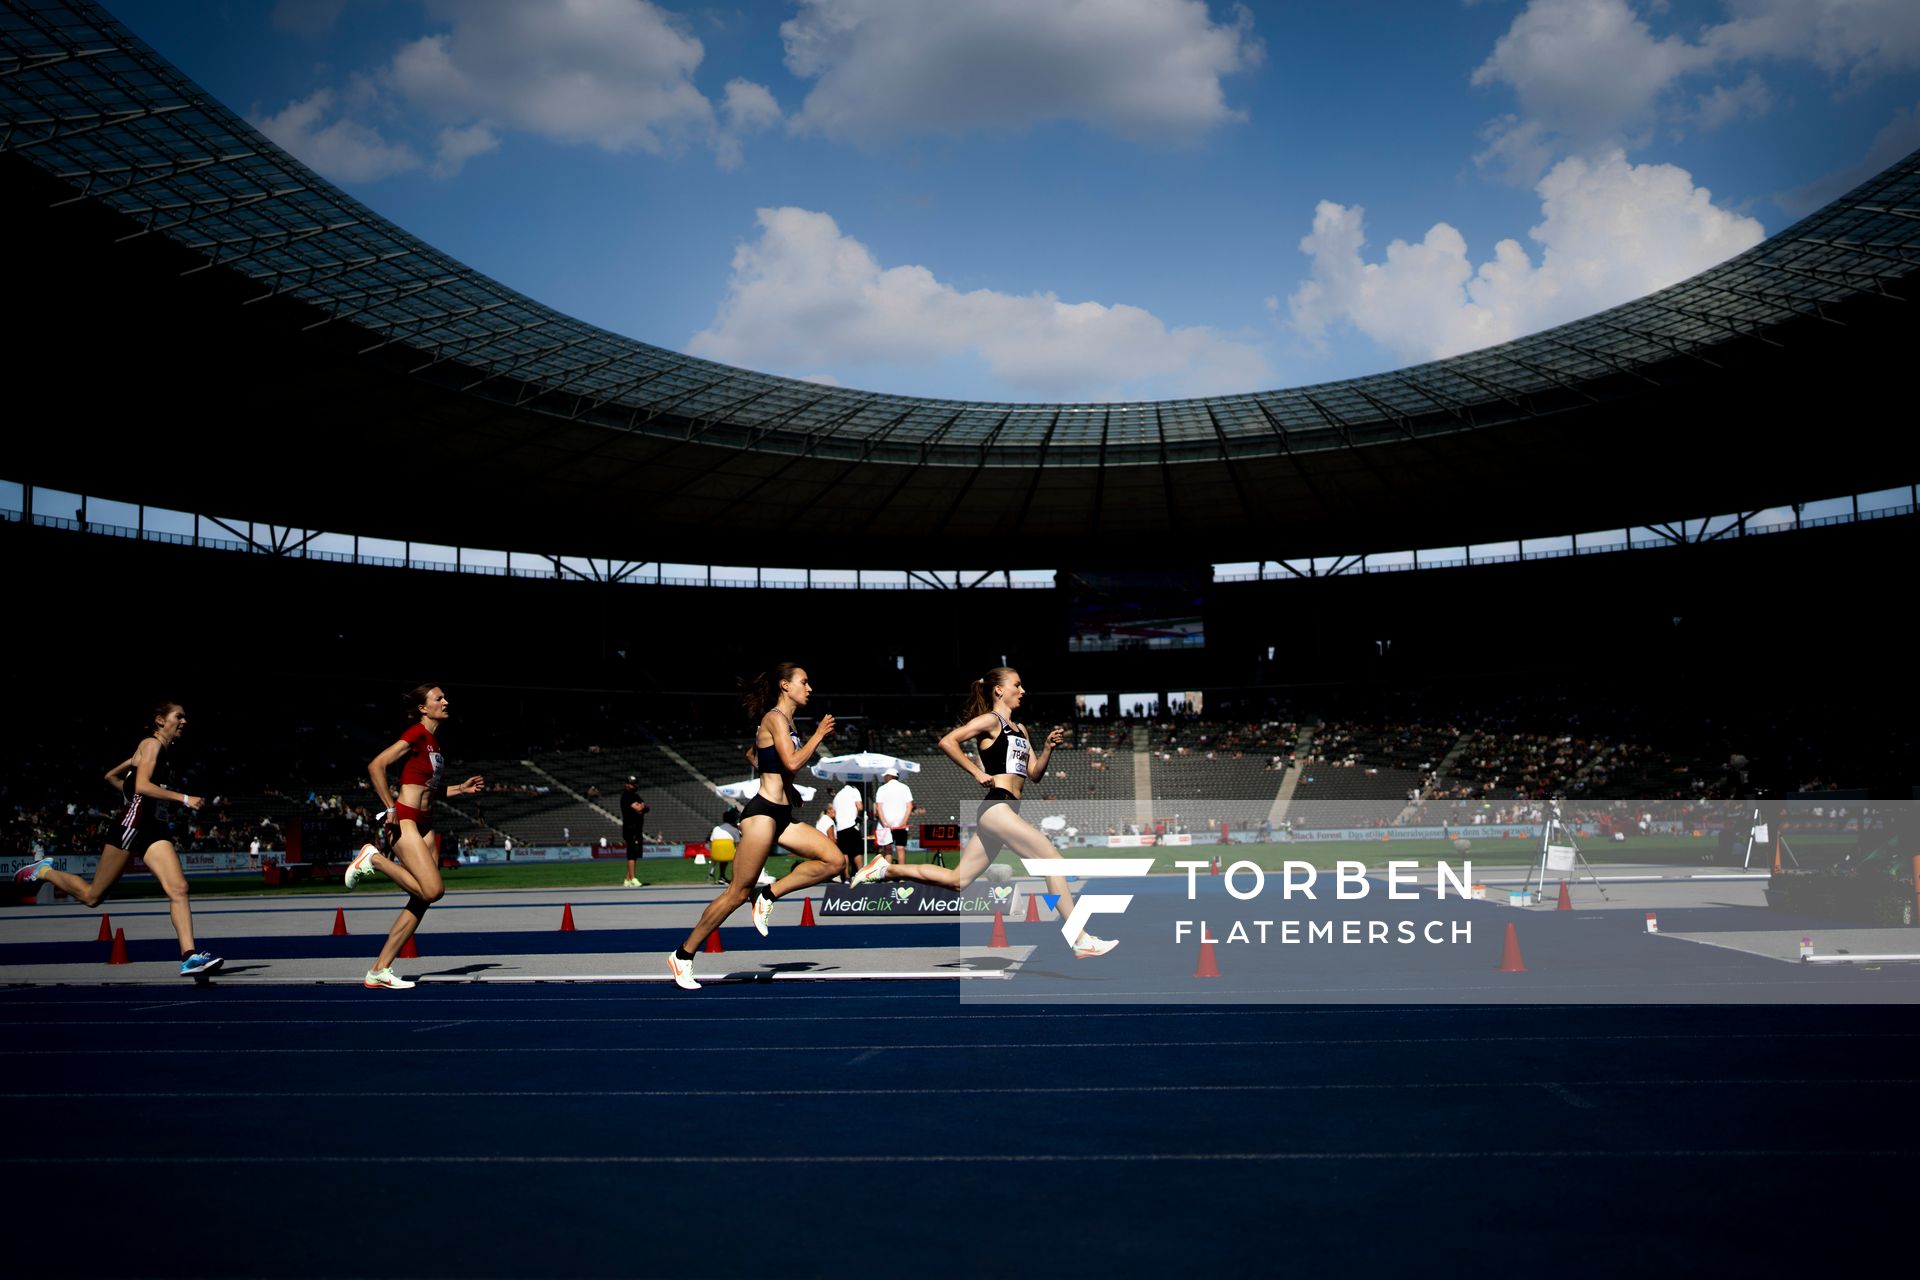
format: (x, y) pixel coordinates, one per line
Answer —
(760, 806)
(848, 841)
(996, 795)
(899, 838)
(138, 828)
(137, 840)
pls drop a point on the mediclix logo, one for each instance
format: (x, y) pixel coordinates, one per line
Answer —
(1089, 904)
(901, 892)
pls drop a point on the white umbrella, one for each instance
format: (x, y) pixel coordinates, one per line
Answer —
(866, 768)
(751, 787)
(862, 766)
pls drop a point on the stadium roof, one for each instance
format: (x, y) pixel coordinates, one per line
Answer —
(316, 365)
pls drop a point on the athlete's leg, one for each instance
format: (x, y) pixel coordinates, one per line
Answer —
(397, 872)
(421, 860)
(1020, 835)
(113, 861)
(972, 863)
(820, 859)
(757, 835)
(165, 865)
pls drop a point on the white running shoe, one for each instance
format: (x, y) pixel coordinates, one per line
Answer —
(629, 884)
(682, 971)
(875, 870)
(362, 865)
(762, 911)
(387, 978)
(1092, 946)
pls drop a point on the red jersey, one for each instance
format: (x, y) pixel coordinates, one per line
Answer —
(422, 765)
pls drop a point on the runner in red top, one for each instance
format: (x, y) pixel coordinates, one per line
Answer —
(417, 869)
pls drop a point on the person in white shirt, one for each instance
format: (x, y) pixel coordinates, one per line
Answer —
(846, 822)
(892, 810)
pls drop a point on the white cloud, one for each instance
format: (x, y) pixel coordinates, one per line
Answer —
(611, 73)
(343, 150)
(616, 74)
(1857, 39)
(805, 296)
(1143, 69)
(745, 108)
(748, 106)
(1899, 138)
(1590, 74)
(1725, 104)
(457, 146)
(307, 17)
(1584, 70)
(1610, 231)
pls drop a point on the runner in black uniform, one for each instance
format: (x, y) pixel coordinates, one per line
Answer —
(771, 698)
(1007, 762)
(142, 833)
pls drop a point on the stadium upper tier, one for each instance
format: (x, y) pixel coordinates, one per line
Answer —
(171, 258)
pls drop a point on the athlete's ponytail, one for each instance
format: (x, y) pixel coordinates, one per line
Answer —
(758, 694)
(980, 700)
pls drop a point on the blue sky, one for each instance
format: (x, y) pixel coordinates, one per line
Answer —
(1072, 199)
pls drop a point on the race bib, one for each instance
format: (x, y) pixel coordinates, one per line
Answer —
(1019, 752)
(436, 760)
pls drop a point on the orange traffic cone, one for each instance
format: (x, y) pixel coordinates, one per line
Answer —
(1566, 901)
(1033, 908)
(1510, 961)
(119, 955)
(714, 945)
(106, 929)
(806, 911)
(1209, 967)
(339, 922)
(408, 949)
(566, 919)
(999, 938)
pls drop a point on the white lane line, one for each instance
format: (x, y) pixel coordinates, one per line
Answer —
(690, 1019)
(1114, 1157)
(989, 1090)
(947, 1047)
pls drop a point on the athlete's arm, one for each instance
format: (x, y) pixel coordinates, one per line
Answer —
(378, 766)
(790, 758)
(143, 784)
(974, 728)
(117, 776)
(1038, 769)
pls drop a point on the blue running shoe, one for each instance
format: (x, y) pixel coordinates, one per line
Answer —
(31, 871)
(200, 964)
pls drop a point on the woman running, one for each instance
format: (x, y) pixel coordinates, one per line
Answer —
(771, 698)
(1007, 763)
(142, 834)
(417, 870)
